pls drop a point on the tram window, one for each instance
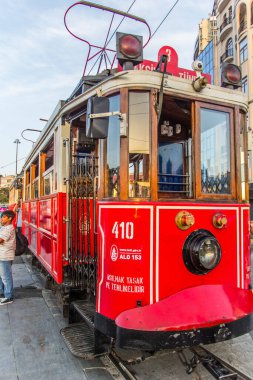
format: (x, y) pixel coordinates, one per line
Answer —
(139, 145)
(27, 184)
(56, 155)
(47, 168)
(215, 152)
(171, 167)
(35, 188)
(243, 118)
(35, 179)
(48, 183)
(49, 155)
(174, 149)
(112, 178)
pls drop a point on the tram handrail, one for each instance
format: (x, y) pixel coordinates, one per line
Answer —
(66, 144)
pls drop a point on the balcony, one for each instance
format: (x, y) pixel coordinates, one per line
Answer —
(227, 56)
(226, 28)
(222, 5)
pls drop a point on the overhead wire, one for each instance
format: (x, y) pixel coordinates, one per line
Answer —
(119, 24)
(107, 42)
(11, 163)
(171, 9)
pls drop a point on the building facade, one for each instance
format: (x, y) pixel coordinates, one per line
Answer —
(205, 46)
(232, 43)
(5, 181)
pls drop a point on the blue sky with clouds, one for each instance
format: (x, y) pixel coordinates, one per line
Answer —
(40, 62)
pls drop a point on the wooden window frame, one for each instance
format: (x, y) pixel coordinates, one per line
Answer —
(125, 153)
(197, 153)
(50, 174)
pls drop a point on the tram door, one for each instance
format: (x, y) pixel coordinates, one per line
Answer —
(82, 212)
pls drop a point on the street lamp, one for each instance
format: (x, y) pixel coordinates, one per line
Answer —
(16, 142)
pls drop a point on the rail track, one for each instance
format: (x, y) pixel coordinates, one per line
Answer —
(214, 367)
(116, 367)
(217, 367)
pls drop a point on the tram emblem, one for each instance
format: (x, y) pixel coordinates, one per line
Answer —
(83, 225)
(114, 252)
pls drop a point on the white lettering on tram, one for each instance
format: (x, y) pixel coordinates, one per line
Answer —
(123, 230)
(124, 284)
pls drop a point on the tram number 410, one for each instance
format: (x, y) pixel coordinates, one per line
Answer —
(123, 230)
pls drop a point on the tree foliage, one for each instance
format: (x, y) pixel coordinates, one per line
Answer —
(4, 196)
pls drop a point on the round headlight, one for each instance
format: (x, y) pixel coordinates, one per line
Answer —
(201, 252)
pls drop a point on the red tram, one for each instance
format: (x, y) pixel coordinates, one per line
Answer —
(136, 202)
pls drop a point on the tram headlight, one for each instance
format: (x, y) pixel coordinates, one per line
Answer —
(201, 252)
(129, 50)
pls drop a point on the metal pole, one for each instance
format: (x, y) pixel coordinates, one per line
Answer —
(66, 144)
(16, 142)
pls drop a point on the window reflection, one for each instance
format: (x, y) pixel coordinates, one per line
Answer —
(35, 188)
(113, 150)
(171, 167)
(139, 146)
(215, 152)
(48, 183)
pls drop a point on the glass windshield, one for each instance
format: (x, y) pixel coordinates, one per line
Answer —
(215, 152)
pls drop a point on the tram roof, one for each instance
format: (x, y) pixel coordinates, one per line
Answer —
(139, 79)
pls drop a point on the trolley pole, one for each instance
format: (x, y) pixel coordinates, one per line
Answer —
(16, 142)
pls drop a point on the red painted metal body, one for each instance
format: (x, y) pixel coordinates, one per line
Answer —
(12, 207)
(43, 225)
(140, 261)
(141, 264)
(82, 226)
(198, 307)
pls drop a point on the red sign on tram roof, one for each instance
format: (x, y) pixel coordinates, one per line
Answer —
(172, 65)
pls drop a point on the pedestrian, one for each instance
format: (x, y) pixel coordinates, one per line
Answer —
(7, 255)
(18, 210)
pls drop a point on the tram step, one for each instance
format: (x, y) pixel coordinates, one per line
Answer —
(85, 310)
(79, 338)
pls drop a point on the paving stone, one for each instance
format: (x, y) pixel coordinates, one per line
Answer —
(31, 347)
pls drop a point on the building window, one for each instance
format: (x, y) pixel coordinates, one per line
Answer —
(230, 9)
(242, 18)
(245, 84)
(243, 50)
(251, 16)
(229, 48)
(206, 56)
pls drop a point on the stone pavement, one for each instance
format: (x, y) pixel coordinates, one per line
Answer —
(31, 347)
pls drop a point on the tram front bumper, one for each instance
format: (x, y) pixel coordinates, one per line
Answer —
(199, 315)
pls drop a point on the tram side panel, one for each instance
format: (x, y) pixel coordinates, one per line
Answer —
(125, 269)
(173, 275)
(44, 226)
(141, 253)
(245, 243)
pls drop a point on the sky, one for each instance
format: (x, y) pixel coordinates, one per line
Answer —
(41, 63)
